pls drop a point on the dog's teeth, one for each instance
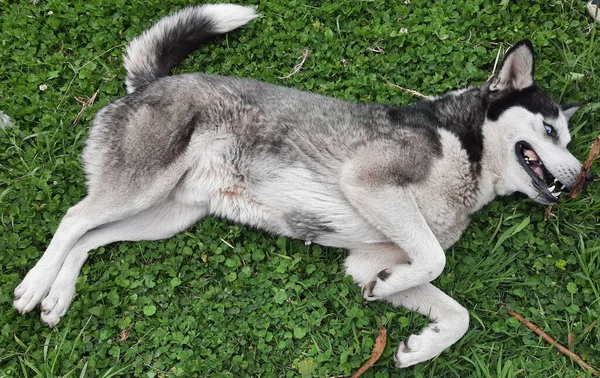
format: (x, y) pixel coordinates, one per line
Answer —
(551, 188)
(530, 155)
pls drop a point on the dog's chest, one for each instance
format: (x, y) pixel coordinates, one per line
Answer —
(450, 192)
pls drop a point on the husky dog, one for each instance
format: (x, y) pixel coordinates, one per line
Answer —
(393, 185)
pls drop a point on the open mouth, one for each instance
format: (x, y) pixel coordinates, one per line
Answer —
(549, 187)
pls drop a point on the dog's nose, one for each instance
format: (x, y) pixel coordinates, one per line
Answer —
(588, 178)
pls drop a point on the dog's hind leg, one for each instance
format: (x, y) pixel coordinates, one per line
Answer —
(113, 203)
(86, 215)
(159, 222)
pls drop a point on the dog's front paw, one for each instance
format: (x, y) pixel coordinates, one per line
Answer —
(376, 288)
(32, 290)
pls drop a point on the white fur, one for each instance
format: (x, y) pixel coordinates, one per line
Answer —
(518, 124)
(449, 322)
(228, 16)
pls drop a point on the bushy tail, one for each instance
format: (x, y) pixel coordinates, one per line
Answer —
(170, 40)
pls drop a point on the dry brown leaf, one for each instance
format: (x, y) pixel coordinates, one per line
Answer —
(585, 168)
(377, 351)
(123, 335)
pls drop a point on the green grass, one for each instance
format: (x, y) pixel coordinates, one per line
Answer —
(194, 306)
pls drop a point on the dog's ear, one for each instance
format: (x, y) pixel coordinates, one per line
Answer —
(569, 109)
(517, 68)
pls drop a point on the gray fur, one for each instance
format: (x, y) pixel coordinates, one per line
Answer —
(307, 226)
(394, 185)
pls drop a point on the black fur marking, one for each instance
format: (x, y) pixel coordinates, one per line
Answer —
(565, 107)
(406, 348)
(420, 121)
(181, 138)
(384, 274)
(398, 363)
(185, 38)
(462, 114)
(531, 98)
(369, 288)
(306, 225)
(174, 47)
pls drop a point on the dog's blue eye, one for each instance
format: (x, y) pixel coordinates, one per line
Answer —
(549, 129)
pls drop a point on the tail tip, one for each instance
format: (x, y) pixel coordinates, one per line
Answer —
(227, 17)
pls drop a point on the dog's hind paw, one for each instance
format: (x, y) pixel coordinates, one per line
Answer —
(56, 303)
(31, 291)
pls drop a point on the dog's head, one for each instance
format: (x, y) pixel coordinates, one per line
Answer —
(531, 129)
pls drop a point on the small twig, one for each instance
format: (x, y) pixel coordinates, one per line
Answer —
(547, 338)
(590, 327)
(548, 214)
(299, 65)
(377, 48)
(84, 105)
(585, 168)
(412, 92)
(227, 243)
(76, 71)
(377, 351)
(571, 342)
(495, 64)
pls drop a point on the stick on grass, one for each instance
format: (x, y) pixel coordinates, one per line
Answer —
(298, 66)
(585, 168)
(547, 338)
(84, 105)
(411, 91)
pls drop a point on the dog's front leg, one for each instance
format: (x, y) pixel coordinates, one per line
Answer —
(393, 210)
(449, 320)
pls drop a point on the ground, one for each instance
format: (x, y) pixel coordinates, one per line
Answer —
(222, 300)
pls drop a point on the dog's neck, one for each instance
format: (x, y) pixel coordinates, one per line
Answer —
(493, 165)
